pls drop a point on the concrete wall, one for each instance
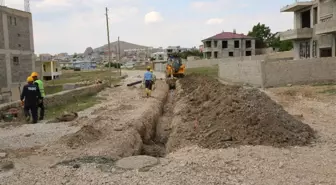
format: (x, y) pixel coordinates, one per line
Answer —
(279, 73)
(60, 98)
(241, 72)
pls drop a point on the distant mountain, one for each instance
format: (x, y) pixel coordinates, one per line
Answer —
(123, 46)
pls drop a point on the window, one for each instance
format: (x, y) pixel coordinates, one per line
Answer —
(44, 68)
(236, 43)
(248, 44)
(224, 44)
(15, 21)
(248, 53)
(230, 54)
(325, 52)
(19, 35)
(10, 20)
(19, 45)
(215, 43)
(215, 54)
(305, 50)
(16, 61)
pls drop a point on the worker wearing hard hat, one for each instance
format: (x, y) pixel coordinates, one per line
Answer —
(30, 97)
(153, 80)
(148, 80)
(39, 84)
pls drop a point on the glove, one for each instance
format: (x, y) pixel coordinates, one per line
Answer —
(22, 103)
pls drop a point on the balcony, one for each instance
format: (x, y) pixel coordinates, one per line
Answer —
(297, 34)
(208, 49)
(326, 27)
(297, 6)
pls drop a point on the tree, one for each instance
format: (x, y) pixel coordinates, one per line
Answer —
(75, 55)
(282, 45)
(262, 33)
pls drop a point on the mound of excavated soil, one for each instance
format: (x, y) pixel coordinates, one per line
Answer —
(218, 116)
(85, 135)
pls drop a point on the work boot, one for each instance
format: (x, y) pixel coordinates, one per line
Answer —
(41, 118)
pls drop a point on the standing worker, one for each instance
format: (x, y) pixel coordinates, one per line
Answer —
(39, 84)
(148, 77)
(153, 80)
(30, 97)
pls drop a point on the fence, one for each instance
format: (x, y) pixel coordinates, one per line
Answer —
(279, 73)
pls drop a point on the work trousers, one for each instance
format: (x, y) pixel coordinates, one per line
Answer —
(41, 107)
(31, 110)
(148, 84)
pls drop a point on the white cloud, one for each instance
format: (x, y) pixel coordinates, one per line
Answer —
(153, 17)
(214, 21)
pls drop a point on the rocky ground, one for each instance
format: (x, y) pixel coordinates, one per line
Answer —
(95, 148)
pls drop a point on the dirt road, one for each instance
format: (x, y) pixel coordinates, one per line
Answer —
(85, 151)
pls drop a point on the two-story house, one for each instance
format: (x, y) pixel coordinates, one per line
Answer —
(314, 28)
(228, 44)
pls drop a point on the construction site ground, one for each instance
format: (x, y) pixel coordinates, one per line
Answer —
(106, 144)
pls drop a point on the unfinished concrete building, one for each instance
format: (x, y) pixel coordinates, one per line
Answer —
(228, 44)
(17, 59)
(314, 30)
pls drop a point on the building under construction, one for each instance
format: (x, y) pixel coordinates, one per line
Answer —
(17, 59)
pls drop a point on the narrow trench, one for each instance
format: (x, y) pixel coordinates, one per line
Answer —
(157, 146)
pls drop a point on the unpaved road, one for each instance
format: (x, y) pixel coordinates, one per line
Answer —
(123, 108)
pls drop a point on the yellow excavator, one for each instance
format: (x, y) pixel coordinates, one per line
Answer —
(175, 68)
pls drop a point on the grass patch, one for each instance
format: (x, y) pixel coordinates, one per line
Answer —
(80, 76)
(75, 105)
(53, 89)
(210, 71)
(329, 91)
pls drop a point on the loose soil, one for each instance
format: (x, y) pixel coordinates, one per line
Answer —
(219, 116)
(85, 135)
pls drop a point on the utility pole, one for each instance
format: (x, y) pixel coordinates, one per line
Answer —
(109, 45)
(119, 56)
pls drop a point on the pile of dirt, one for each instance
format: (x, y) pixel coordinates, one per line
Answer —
(218, 116)
(85, 135)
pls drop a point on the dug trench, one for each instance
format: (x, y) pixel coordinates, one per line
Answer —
(201, 111)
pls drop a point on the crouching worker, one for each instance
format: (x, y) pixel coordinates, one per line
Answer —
(30, 98)
(148, 80)
(153, 80)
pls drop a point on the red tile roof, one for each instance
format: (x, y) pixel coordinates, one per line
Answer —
(228, 35)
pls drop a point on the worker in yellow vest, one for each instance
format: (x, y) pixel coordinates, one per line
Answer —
(39, 84)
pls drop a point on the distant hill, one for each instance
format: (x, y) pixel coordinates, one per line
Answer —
(123, 46)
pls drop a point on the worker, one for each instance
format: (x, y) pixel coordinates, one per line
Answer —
(153, 80)
(30, 98)
(148, 77)
(39, 84)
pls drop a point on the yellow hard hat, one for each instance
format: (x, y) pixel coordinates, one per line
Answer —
(30, 79)
(34, 74)
(148, 67)
(151, 70)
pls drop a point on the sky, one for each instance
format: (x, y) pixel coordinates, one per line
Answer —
(73, 25)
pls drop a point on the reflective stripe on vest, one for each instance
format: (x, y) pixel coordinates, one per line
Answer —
(40, 85)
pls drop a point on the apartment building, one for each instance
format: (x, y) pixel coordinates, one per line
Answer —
(314, 30)
(17, 58)
(228, 44)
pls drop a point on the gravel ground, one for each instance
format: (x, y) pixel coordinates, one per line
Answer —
(245, 165)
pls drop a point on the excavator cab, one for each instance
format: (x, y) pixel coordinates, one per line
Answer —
(175, 68)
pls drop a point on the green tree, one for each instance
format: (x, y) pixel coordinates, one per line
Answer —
(75, 55)
(282, 45)
(262, 33)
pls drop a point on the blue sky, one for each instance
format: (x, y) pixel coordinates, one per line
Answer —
(72, 25)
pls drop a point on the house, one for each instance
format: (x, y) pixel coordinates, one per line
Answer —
(84, 65)
(51, 70)
(17, 58)
(314, 28)
(228, 44)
